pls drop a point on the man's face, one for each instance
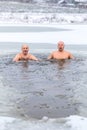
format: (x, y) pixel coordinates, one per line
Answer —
(25, 49)
(61, 46)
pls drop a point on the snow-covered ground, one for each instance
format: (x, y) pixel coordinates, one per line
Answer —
(43, 18)
(70, 34)
(69, 123)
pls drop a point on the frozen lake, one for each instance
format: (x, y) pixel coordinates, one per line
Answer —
(46, 94)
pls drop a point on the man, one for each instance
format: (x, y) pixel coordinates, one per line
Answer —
(24, 55)
(61, 53)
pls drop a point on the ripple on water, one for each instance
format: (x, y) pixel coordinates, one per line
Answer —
(45, 88)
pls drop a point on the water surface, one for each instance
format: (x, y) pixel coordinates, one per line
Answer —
(46, 88)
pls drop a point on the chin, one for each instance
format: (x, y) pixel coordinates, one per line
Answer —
(61, 50)
(25, 53)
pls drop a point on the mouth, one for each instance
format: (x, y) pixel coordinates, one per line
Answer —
(25, 52)
(60, 49)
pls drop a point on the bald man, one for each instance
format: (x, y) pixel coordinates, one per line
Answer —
(61, 53)
(24, 55)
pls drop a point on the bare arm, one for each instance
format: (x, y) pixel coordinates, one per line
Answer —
(16, 58)
(32, 57)
(50, 56)
(71, 56)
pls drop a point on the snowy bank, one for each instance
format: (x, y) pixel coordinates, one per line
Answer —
(43, 18)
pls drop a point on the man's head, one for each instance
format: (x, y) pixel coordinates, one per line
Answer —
(25, 49)
(60, 46)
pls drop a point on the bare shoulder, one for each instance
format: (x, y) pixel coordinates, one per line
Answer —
(52, 55)
(69, 54)
(54, 52)
(32, 57)
(17, 57)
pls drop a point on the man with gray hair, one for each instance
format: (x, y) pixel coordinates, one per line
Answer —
(61, 53)
(24, 55)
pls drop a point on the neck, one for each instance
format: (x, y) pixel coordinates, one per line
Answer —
(60, 50)
(24, 54)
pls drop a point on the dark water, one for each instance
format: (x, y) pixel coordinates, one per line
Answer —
(44, 88)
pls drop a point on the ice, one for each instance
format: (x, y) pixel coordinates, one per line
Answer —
(70, 34)
(70, 123)
(77, 123)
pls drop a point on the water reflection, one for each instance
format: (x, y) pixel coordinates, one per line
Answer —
(25, 64)
(61, 64)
